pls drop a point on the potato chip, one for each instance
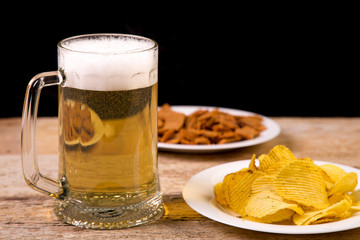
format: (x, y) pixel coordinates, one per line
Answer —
(278, 154)
(281, 152)
(301, 181)
(324, 220)
(220, 195)
(355, 196)
(263, 183)
(333, 172)
(277, 166)
(329, 183)
(252, 165)
(336, 211)
(229, 183)
(279, 216)
(268, 207)
(337, 197)
(345, 184)
(237, 186)
(355, 208)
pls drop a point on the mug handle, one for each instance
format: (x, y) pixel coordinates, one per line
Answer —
(32, 175)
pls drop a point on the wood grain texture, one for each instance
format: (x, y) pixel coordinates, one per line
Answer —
(26, 214)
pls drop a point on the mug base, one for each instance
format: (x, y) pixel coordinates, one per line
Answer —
(109, 218)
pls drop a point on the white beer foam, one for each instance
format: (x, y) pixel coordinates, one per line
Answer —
(108, 64)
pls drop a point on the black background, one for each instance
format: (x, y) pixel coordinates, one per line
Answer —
(278, 62)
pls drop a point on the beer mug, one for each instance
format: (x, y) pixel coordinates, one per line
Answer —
(108, 175)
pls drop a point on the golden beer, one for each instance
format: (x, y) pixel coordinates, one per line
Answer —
(107, 145)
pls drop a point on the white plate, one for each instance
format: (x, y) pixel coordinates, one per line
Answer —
(272, 130)
(198, 193)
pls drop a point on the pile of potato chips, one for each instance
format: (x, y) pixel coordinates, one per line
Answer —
(283, 188)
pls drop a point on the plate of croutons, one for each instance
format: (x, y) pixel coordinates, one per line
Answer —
(196, 129)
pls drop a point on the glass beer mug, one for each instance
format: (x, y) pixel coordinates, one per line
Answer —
(108, 175)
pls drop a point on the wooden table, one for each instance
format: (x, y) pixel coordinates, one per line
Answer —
(26, 214)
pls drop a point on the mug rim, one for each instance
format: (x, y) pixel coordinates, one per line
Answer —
(61, 45)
